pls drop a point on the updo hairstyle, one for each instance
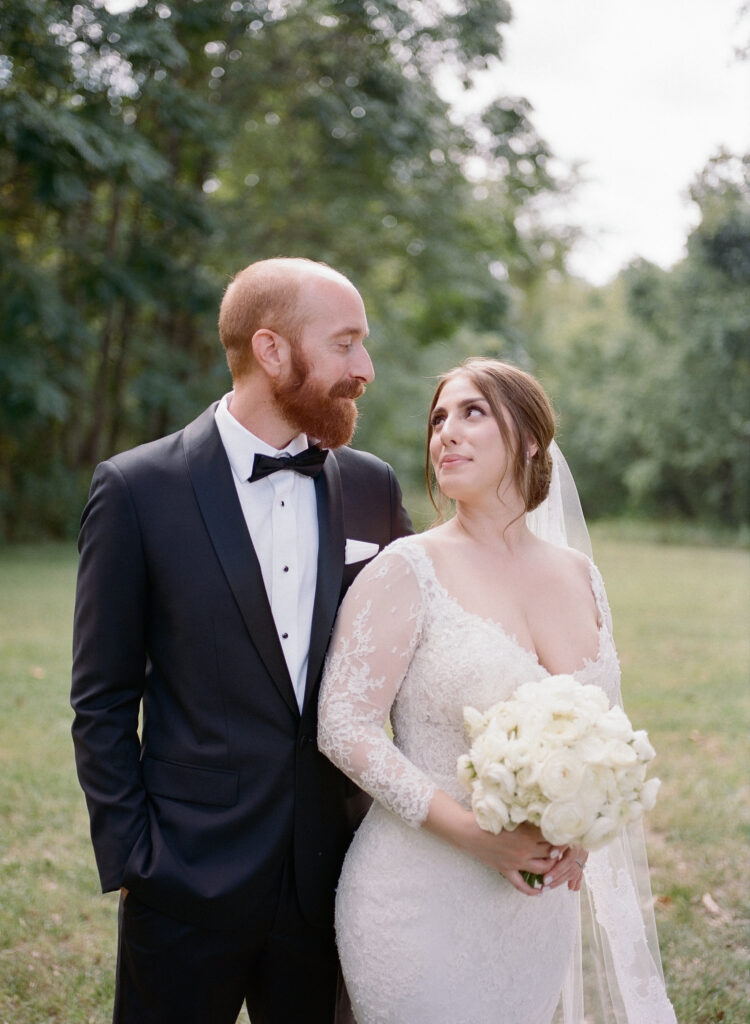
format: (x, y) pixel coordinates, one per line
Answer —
(532, 420)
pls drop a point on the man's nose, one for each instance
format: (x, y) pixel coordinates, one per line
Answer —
(363, 368)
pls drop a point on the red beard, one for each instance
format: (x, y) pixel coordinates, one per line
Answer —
(326, 416)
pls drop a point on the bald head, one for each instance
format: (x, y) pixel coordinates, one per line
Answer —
(271, 294)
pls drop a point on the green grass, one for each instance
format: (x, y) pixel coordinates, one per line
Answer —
(681, 622)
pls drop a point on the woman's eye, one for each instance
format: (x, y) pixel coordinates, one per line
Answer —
(436, 420)
(474, 409)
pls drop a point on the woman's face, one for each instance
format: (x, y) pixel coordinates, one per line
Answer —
(467, 449)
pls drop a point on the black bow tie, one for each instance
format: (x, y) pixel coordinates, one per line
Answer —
(308, 463)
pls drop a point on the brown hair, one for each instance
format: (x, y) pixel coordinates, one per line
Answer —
(519, 395)
(264, 294)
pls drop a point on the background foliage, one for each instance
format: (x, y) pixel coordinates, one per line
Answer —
(146, 156)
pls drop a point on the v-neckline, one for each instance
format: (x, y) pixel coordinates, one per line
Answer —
(511, 637)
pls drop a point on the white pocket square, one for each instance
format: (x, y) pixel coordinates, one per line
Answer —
(359, 550)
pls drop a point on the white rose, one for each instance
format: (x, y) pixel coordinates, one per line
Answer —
(571, 730)
(491, 746)
(618, 754)
(474, 721)
(527, 776)
(560, 776)
(518, 814)
(465, 770)
(490, 812)
(593, 700)
(648, 793)
(503, 781)
(600, 833)
(592, 749)
(642, 746)
(615, 724)
(563, 824)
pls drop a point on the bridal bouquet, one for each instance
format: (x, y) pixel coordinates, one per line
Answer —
(558, 756)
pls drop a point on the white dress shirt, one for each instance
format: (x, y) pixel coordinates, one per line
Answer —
(282, 519)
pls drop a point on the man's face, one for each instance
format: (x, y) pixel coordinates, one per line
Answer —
(329, 365)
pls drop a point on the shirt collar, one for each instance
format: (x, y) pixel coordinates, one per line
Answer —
(241, 445)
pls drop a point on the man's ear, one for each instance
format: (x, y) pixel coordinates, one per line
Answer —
(271, 351)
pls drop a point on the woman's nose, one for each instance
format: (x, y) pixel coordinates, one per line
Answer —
(450, 429)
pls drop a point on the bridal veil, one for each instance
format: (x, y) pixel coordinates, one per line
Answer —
(615, 976)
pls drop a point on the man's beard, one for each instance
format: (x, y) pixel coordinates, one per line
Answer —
(326, 416)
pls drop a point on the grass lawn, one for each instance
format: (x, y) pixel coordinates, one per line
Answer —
(681, 622)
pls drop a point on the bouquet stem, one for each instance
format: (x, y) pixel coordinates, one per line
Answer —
(535, 881)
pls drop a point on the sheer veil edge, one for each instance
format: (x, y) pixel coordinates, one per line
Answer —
(615, 975)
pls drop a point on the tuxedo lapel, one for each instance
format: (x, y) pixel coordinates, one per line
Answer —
(331, 543)
(216, 494)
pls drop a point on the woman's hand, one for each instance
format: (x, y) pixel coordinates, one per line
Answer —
(569, 868)
(510, 853)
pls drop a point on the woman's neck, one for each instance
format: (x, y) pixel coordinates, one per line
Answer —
(503, 525)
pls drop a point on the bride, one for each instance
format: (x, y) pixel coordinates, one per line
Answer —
(434, 922)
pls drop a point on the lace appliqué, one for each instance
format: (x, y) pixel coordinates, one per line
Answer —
(362, 679)
(618, 914)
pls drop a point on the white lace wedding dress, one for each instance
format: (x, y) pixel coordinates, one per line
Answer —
(427, 934)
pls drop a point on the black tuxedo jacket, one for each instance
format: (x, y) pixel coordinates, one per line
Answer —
(197, 808)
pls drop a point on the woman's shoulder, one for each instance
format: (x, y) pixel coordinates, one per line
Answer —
(405, 551)
(567, 561)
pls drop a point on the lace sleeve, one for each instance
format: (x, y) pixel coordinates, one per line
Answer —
(375, 637)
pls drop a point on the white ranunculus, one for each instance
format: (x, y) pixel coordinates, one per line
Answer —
(501, 780)
(648, 793)
(642, 747)
(614, 724)
(474, 721)
(619, 754)
(561, 775)
(465, 770)
(557, 755)
(600, 833)
(563, 822)
(490, 812)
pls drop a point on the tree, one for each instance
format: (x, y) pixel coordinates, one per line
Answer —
(147, 155)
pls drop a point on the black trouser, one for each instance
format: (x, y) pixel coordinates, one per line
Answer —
(169, 972)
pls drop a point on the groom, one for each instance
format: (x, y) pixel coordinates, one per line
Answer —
(209, 579)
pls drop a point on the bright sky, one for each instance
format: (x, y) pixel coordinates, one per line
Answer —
(642, 92)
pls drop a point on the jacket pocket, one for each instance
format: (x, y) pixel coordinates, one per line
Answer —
(214, 786)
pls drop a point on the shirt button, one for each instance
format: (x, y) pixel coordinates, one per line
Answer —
(286, 568)
(283, 504)
(284, 636)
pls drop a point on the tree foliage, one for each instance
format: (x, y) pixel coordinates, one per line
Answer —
(148, 155)
(652, 374)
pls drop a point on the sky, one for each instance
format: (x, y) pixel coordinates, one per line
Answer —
(642, 94)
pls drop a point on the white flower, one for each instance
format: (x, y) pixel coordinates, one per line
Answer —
(648, 793)
(561, 775)
(642, 747)
(563, 823)
(504, 780)
(465, 770)
(600, 833)
(614, 724)
(558, 756)
(475, 721)
(490, 812)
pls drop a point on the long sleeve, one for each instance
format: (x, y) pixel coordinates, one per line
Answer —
(374, 640)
